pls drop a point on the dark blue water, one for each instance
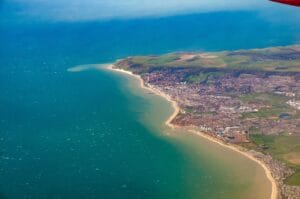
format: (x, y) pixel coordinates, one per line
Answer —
(66, 135)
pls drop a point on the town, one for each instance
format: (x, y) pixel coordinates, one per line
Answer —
(228, 103)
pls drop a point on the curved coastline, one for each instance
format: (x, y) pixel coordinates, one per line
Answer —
(268, 173)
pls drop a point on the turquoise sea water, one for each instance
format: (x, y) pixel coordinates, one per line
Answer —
(86, 135)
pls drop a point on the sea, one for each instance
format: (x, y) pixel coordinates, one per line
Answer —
(96, 133)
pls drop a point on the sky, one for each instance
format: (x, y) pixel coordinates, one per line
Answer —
(85, 10)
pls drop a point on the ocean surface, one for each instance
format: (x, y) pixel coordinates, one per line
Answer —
(96, 134)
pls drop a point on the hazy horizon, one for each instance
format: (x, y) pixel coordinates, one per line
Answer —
(80, 10)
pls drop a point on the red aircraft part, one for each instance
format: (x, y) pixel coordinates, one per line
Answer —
(289, 2)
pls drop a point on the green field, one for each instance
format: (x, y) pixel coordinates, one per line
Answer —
(285, 148)
(276, 105)
(203, 77)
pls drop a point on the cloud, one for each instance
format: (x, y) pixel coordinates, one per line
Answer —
(81, 10)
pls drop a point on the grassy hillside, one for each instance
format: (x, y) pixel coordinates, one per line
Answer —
(281, 59)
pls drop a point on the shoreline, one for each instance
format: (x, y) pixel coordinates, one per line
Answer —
(267, 170)
(153, 90)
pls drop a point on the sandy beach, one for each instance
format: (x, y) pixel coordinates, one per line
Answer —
(274, 193)
(268, 173)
